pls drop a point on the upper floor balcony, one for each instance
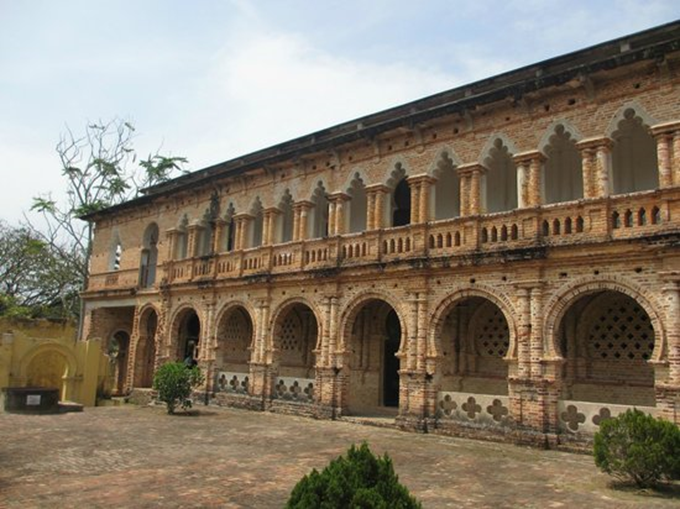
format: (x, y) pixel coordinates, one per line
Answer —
(588, 221)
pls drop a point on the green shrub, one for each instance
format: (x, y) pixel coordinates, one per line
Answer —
(174, 383)
(357, 480)
(637, 447)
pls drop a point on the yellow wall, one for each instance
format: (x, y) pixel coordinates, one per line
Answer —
(40, 352)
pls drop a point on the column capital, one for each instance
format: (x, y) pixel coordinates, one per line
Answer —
(530, 284)
(595, 143)
(666, 128)
(243, 216)
(339, 196)
(529, 156)
(423, 177)
(377, 188)
(303, 204)
(467, 169)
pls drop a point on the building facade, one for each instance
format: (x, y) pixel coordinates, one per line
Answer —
(500, 259)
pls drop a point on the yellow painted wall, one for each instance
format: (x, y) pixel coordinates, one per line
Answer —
(45, 353)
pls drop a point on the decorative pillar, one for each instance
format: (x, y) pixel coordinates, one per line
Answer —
(475, 200)
(193, 231)
(269, 225)
(171, 236)
(376, 215)
(464, 190)
(331, 218)
(530, 178)
(596, 166)
(370, 205)
(301, 220)
(420, 197)
(667, 137)
(338, 201)
(241, 221)
(217, 241)
(668, 391)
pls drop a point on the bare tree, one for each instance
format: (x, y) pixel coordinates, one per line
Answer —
(102, 169)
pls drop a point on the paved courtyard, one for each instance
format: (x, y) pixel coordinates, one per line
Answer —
(140, 457)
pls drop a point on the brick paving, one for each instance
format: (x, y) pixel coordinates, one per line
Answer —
(139, 457)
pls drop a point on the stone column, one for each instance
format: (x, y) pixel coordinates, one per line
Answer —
(338, 201)
(370, 205)
(129, 383)
(464, 177)
(301, 220)
(171, 236)
(475, 201)
(241, 221)
(420, 207)
(331, 218)
(193, 231)
(667, 137)
(530, 178)
(376, 215)
(270, 216)
(668, 391)
(218, 239)
(596, 166)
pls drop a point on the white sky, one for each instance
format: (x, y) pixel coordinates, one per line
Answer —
(214, 79)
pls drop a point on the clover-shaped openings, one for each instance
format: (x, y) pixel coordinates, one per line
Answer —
(471, 408)
(602, 415)
(573, 417)
(309, 391)
(447, 405)
(497, 410)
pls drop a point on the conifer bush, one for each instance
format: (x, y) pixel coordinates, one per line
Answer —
(357, 480)
(174, 382)
(635, 446)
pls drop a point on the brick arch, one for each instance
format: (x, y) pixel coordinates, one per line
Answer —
(175, 321)
(223, 314)
(640, 112)
(360, 173)
(438, 316)
(353, 307)
(445, 150)
(395, 163)
(491, 140)
(562, 300)
(574, 133)
(283, 307)
(230, 306)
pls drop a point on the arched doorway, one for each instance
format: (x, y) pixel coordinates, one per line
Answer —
(118, 348)
(188, 333)
(48, 369)
(375, 335)
(607, 339)
(295, 336)
(232, 358)
(145, 356)
(472, 372)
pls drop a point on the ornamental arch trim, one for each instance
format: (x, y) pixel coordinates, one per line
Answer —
(640, 112)
(284, 306)
(562, 300)
(446, 305)
(442, 153)
(352, 308)
(71, 361)
(485, 153)
(574, 134)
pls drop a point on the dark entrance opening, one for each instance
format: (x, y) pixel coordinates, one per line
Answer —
(401, 214)
(391, 361)
(190, 331)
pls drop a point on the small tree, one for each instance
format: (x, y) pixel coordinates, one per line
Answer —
(359, 479)
(174, 383)
(635, 446)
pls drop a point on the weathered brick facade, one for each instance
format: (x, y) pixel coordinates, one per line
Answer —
(497, 260)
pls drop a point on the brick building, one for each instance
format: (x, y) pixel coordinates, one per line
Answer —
(497, 259)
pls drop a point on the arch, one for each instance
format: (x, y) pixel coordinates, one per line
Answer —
(185, 342)
(145, 346)
(446, 191)
(358, 206)
(640, 112)
(445, 305)
(318, 217)
(288, 303)
(354, 306)
(149, 256)
(634, 155)
(255, 230)
(285, 218)
(566, 126)
(399, 164)
(491, 142)
(501, 169)
(563, 174)
(234, 337)
(563, 299)
(66, 353)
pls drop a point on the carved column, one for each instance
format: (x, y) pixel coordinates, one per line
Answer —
(270, 217)
(331, 218)
(370, 205)
(218, 238)
(171, 236)
(464, 191)
(530, 178)
(668, 152)
(668, 392)
(596, 166)
(193, 232)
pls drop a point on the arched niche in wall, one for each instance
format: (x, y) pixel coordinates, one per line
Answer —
(634, 160)
(149, 256)
(228, 239)
(446, 189)
(400, 197)
(500, 181)
(182, 241)
(318, 217)
(358, 205)
(563, 175)
(255, 233)
(285, 219)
